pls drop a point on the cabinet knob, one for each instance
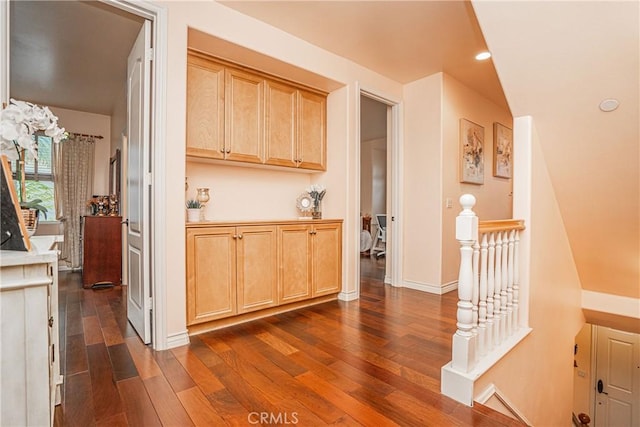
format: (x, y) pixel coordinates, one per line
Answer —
(228, 150)
(240, 236)
(235, 236)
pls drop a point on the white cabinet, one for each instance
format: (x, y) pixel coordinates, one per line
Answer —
(29, 357)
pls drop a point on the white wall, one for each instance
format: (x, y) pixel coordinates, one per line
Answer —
(373, 177)
(91, 124)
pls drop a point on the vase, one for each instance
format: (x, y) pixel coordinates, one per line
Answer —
(193, 215)
(316, 212)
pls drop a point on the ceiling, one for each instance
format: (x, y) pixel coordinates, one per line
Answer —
(70, 54)
(83, 66)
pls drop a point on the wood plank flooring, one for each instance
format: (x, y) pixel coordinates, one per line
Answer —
(372, 362)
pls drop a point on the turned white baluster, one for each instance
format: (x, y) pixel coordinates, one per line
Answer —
(482, 305)
(510, 260)
(516, 281)
(463, 348)
(497, 301)
(475, 294)
(490, 291)
(503, 286)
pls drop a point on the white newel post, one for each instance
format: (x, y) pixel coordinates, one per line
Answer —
(463, 348)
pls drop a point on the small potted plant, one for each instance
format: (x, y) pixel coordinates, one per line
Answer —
(193, 210)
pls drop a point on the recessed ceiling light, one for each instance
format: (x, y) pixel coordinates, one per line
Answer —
(609, 105)
(483, 55)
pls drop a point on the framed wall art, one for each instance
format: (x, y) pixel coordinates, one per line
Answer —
(471, 152)
(502, 151)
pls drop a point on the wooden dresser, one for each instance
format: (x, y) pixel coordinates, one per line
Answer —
(101, 250)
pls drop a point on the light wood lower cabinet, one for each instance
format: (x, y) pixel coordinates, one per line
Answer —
(234, 270)
(310, 260)
(230, 270)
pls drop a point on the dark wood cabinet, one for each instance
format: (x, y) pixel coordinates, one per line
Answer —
(101, 250)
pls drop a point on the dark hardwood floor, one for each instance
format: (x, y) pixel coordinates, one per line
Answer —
(372, 362)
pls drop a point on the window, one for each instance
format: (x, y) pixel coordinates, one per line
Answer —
(39, 176)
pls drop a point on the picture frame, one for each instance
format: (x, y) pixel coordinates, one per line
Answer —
(13, 230)
(502, 151)
(471, 152)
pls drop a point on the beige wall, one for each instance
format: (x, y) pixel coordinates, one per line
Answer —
(537, 375)
(433, 109)
(493, 198)
(340, 178)
(422, 181)
(91, 124)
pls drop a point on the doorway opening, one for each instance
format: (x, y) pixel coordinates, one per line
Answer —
(58, 18)
(378, 195)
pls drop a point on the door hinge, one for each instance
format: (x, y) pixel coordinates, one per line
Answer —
(150, 54)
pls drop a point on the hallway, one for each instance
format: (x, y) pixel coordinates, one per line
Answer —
(375, 361)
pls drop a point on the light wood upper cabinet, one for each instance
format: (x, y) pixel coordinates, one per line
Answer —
(205, 108)
(246, 116)
(281, 124)
(244, 111)
(312, 125)
(257, 275)
(211, 274)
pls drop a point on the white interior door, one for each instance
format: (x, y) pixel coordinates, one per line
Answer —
(139, 184)
(617, 378)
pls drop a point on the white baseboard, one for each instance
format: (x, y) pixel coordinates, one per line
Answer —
(349, 296)
(491, 391)
(432, 289)
(177, 339)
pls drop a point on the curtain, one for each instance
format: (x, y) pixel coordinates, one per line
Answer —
(73, 187)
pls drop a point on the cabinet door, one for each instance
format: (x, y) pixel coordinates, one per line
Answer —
(101, 250)
(205, 108)
(244, 97)
(312, 124)
(294, 261)
(327, 259)
(280, 124)
(211, 274)
(257, 273)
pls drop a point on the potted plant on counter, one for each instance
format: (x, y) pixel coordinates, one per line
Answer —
(193, 210)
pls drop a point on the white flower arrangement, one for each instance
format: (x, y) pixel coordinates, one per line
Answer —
(19, 121)
(317, 192)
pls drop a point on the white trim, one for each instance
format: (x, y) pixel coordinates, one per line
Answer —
(5, 43)
(492, 390)
(158, 15)
(432, 289)
(459, 385)
(348, 296)
(609, 303)
(177, 340)
(523, 133)
(394, 150)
